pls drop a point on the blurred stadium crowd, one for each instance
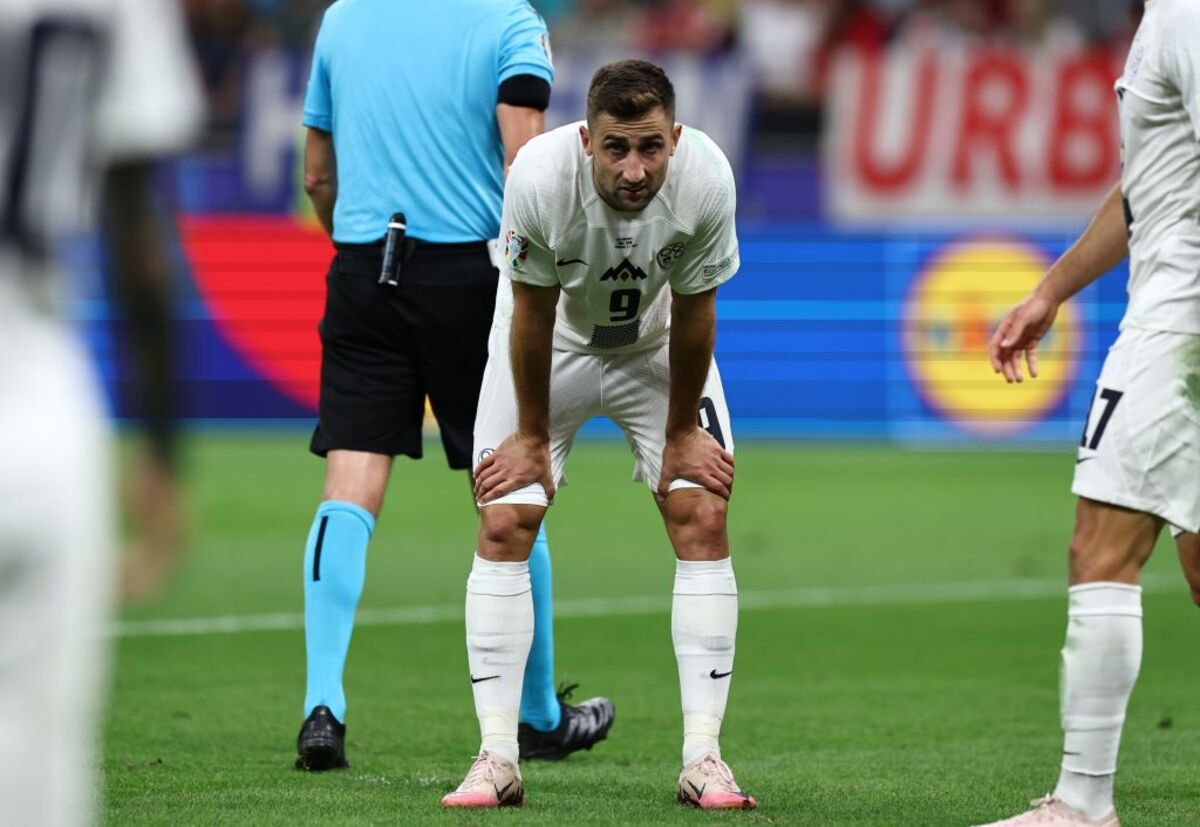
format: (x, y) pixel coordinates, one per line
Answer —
(788, 44)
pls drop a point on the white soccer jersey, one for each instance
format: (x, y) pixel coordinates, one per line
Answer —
(613, 266)
(83, 83)
(1159, 99)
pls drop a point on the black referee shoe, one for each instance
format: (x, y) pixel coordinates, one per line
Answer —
(322, 742)
(581, 727)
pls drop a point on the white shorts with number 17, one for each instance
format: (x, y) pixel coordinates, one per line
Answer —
(631, 389)
(1141, 443)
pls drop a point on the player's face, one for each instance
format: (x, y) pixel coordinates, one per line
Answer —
(630, 157)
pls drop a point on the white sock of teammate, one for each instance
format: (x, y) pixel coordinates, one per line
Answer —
(1100, 663)
(499, 633)
(703, 628)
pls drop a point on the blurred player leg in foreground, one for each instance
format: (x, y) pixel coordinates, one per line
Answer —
(150, 483)
(57, 542)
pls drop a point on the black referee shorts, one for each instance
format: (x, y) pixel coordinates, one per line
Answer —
(384, 349)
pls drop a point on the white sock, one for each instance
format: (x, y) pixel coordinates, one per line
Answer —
(703, 628)
(1100, 663)
(499, 633)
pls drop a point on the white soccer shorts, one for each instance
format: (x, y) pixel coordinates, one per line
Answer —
(1141, 445)
(631, 389)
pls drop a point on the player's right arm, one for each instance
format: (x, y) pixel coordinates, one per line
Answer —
(1101, 247)
(320, 162)
(320, 175)
(524, 457)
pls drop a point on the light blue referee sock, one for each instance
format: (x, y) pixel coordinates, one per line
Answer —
(539, 704)
(335, 566)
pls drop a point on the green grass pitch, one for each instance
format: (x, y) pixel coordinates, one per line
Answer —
(897, 658)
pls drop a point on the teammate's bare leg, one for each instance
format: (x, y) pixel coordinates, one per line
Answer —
(1100, 660)
(1188, 545)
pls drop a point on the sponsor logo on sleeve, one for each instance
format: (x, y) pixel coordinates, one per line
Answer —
(669, 255)
(711, 271)
(516, 249)
(545, 41)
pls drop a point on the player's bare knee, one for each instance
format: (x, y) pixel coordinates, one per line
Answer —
(506, 532)
(709, 516)
(696, 523)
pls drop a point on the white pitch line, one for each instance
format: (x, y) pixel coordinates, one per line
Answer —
(983, 591)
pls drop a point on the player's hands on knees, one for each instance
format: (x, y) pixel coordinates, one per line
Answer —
(1018, 335)
(518, 461)
(697, 457)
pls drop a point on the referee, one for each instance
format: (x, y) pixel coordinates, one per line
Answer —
(413, 113)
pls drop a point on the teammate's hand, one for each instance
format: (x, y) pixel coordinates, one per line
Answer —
(698, 458)
(1018, 334)
(517, 462)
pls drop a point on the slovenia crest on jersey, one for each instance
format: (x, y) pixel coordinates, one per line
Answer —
(516, 248)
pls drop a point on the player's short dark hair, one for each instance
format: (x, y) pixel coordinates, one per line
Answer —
(628, 89)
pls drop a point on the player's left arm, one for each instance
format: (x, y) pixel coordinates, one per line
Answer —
(525, 75)
(690, 452)
(711, 258)
(517, 125)
(320, 175)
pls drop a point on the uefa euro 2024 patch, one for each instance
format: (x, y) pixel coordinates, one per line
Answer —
(516, 248)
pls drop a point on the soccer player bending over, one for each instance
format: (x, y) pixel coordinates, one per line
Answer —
(617, 233)
(1139, 459)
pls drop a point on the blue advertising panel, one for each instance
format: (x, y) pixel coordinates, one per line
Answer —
(824, 333)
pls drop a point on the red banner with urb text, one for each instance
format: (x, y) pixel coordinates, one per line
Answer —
(969, 134)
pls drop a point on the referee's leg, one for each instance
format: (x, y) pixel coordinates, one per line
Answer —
(371, 406)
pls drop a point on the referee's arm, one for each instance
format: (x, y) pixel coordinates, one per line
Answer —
(521, 112)
(320, 174)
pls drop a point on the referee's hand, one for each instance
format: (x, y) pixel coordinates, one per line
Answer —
(517, 462)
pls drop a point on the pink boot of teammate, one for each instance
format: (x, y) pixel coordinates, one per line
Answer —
(1051, 812)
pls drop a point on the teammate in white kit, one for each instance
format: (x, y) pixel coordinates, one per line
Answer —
(1139, 459)
(616, 234)
(85, 86)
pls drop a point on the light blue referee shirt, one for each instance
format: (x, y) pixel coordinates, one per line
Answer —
(408, 90)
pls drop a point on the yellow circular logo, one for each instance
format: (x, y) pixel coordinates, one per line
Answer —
(951, 311)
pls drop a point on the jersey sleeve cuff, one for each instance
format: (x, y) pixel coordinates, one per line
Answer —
(525, 277)
(316, 121)
(709, 276)
(539, 70)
